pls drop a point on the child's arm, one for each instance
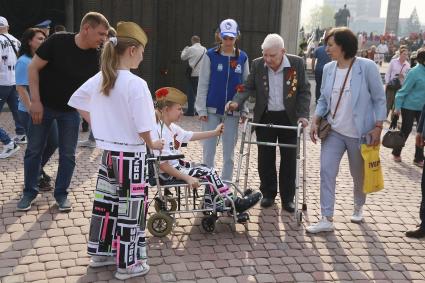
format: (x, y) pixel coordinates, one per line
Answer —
(170, 170)
(208, 134)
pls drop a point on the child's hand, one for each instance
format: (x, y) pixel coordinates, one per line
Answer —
(158, 144)
(220, 128)
(192, 182)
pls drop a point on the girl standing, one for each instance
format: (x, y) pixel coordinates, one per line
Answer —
(111, 102)
(223, 69)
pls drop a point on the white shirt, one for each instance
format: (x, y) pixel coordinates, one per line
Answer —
(276, 81)
(395, 68)
(174, 137)
(194, 54)
(382, 48)
(117, 119)
(8, 59)
(344, 121)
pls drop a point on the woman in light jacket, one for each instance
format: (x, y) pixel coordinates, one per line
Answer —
(359, 118)
(409, 101)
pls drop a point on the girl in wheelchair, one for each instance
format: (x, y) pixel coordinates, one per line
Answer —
(169, 109)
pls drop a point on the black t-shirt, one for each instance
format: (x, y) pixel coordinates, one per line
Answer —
(67, 69)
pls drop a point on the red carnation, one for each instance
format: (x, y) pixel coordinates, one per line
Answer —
(160, 93)
(240, 88)
(233, 63)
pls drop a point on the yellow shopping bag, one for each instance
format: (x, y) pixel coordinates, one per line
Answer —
(373, 179)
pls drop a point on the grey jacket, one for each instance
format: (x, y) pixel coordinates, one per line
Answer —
(257, 85)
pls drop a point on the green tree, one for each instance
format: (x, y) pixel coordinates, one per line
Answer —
(413, 24)
(322, 17)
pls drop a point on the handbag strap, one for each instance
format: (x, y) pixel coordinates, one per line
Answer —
(11, 43)
(199, 60)
(343, 86)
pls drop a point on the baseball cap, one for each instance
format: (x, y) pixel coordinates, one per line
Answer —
(3, 22)
(229, 28)
(44, 24)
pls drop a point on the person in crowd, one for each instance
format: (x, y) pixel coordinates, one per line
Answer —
(322, 59)
(9, 54)
(371, 53)
(90, 141)
(44, 26)
(31, 40)
(59, 66)
(169, 110)
(409, 101)
(420, 141)
(353, 86)
(223, 69)
(119, 107)
(381, 51)
(193, 54)
(59, 28)
(413, 57)
(396, 72)
(279, 83)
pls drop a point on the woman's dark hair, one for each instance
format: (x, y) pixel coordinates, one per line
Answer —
(421, 56)
(28, 35)
(346, 39)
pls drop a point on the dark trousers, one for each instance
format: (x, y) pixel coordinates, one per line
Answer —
(408, 116)
(422, 208)
(267, 157)
(191, 94)
(318, 78)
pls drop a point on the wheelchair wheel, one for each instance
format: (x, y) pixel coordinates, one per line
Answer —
(160, 224)
(171, 205)
(208, 223)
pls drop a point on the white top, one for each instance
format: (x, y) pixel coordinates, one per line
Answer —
(382, 48)
(8, 59)
(276, 81)
(395, 68)
(194, 54)
(344, 121)
(174, 136)
(117, 119)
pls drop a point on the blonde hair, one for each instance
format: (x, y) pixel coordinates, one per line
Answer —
(94, 19)
(161, 105)
(109, 61)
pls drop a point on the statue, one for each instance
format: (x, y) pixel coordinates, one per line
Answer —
(342, 17)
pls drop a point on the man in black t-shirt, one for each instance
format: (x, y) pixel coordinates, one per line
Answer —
(61, 65)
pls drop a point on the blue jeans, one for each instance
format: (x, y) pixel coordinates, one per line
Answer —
(228, 141)
(68, 125)
(8, 94)
(4, 137)
(52, 139)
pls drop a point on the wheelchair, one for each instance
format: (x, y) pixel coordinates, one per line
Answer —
(175, 197)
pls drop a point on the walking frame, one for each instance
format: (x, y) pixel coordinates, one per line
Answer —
(246, 140)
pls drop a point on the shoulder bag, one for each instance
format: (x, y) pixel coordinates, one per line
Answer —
(324, 127)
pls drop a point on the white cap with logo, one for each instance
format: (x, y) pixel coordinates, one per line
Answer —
(229, 28)
(3, 22)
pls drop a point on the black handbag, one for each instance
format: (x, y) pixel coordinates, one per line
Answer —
(188, 71)
(395, 83)
(393, 138)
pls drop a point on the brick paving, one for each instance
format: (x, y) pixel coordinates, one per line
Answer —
(44, 245)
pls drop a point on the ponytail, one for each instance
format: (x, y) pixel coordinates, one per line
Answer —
(110, 59)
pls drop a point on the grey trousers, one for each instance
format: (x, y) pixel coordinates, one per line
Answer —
(332, 150)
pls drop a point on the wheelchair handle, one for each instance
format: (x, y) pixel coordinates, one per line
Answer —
(169, 157)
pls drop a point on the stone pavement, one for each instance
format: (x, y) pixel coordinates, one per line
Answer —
(44, 245)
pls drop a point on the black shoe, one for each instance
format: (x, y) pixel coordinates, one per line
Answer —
(417, 234)
(288, 206)
(243, 204)
(267, 202)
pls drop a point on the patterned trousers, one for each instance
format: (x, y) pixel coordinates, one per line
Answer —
(120, 207)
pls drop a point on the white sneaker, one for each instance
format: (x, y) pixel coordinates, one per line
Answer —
(357, 216)
(87, 143)
(98, 261)
(138, 269)
(20, 139)
(9, 149)
(324, 225)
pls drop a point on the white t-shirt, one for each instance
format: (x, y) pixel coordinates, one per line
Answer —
(117, 119)
(174, 137)
(344, 121)
(8, 59)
